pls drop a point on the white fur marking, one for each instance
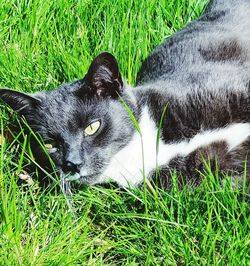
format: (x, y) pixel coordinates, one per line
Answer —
(126, 166)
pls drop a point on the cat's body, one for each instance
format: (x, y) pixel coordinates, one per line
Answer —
(200, 76)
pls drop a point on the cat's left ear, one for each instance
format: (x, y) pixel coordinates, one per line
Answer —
(104, 76)
(19, 101)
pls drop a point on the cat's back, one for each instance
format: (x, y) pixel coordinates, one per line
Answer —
(216, 45)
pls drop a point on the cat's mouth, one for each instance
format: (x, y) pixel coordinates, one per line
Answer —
(72, 176)
(81, 179)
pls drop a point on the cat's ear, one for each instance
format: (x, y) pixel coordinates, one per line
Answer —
(18, 101)
(104, 76)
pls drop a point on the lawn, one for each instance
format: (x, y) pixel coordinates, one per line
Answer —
(46, 43)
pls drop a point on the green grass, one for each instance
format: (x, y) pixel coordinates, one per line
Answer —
(45, 43)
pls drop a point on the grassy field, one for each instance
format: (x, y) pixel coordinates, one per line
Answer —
(46, 43)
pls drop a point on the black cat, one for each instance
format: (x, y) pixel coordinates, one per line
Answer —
(198, 82)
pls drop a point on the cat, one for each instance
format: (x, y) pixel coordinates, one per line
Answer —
(197, 83)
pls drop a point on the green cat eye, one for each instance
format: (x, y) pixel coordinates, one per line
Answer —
(92, 128)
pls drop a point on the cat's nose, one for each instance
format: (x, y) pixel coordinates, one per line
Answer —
(73, 167)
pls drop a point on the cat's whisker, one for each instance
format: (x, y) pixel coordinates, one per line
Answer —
(66, 189)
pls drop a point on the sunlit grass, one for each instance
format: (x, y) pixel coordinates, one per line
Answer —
(46, 43)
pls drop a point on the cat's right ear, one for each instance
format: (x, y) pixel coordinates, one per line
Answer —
(19, 101)
(104, 77)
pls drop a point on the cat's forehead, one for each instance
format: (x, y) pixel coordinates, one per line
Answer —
(59, 99)
(60, 106)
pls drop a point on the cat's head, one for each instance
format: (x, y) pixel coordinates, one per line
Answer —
(83, 124)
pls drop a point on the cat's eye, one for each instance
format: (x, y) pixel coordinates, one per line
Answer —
(92, 128)
(50, 146)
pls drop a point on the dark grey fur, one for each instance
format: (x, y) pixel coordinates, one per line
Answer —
(202, 73)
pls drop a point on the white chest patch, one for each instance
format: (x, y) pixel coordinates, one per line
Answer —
(139, 156)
